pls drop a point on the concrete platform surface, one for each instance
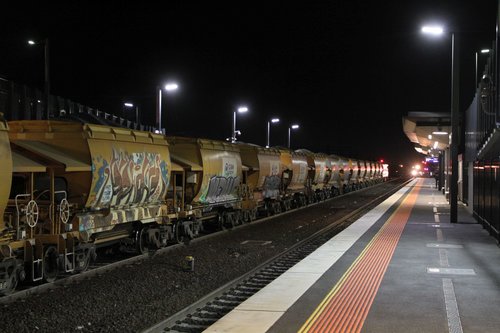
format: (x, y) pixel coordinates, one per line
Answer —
(403, 267)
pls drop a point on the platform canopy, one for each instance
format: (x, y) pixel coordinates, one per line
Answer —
(429, 131)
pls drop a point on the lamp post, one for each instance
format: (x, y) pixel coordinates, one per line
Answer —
(293, 127)
(483, 51)
(131, 105)
(169, 87)
(274, 121)
(455, 79)
(45, 43)
(241, 109)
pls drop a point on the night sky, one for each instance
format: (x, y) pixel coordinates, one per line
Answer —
(346, 71)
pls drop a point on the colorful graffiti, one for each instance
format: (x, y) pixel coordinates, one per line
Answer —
(221, 189)
(129, 178)
(271, 187)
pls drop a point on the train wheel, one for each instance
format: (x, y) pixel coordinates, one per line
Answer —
(228, 220)
(50, 266)
(238, 217)
(179, 232)
(11, 282)
(84, 264)
(142, 240)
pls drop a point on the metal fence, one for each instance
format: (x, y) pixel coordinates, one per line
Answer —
(20, 102)
(482, 147)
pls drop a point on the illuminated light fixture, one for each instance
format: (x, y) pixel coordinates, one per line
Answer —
(429, 137)
(440, 131)
(171, 86)
(432, 30)
(485, 51)
(435, 144)
(275, 120)
(130, 105)
(242, 109)
(31, 42)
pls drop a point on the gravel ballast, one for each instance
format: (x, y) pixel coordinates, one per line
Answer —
(135, 296)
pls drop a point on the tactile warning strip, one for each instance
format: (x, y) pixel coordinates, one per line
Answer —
(346, 306)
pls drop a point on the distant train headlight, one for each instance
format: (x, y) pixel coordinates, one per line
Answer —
(414, 173)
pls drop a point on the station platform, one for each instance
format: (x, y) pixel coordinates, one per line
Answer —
(402, 267)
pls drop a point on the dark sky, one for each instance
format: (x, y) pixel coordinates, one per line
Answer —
(346, 71)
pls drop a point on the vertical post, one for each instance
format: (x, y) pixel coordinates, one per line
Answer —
(47, 78)
(233, 135)
(289, 130)
(158, 108)
(455, 61)
(137, 121)
(268, 133)
(475, 73)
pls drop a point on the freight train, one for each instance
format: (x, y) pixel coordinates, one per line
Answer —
(68, 188)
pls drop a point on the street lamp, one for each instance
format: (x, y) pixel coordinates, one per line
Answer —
(131, 105)
(483, 51)
(455, 79)
(293, 127)
(169, 87)
(274, 121)
(241, 109)
(45, 43)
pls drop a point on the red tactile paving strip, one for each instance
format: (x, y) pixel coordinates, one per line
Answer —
(346, 306)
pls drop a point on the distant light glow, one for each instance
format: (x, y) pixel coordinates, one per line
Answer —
(129, 105)
(485, 51)
(429, 137)
(440, 133)
(295, 126)
(275, 120)
(435, 144)
(242, 109)
(31, 42)
(171, 86)
(432, 30)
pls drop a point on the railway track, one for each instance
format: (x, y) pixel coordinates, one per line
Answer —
(203, 313)
(103, 266)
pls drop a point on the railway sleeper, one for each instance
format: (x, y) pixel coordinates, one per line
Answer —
(207, 314)
(184, 327)
(243, 293)
(196, 320)
(249, 288)
(236, 298)
(217, 308)
(262, 280)
(226, 302)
